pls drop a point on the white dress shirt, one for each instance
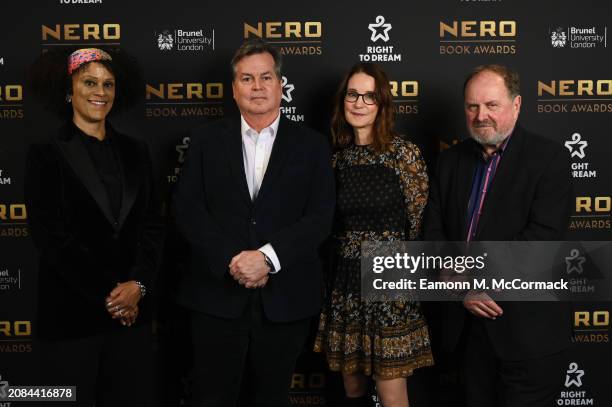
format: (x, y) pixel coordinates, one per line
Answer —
(256, 150)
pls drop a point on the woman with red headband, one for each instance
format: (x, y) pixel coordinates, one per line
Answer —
(88, 190)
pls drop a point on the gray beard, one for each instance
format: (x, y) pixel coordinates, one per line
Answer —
(496, 140)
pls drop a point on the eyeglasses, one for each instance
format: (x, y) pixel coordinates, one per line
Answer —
(369, 98)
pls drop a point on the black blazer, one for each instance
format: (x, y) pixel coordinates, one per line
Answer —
(530, 199)
(84, 251)
(293, 212)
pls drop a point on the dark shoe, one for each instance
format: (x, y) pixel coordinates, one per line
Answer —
(363, 401)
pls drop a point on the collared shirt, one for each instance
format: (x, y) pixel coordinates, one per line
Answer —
(486, 167)
(256, 151)
(103, 155)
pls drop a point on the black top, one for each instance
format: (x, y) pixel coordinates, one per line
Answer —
(103, 154)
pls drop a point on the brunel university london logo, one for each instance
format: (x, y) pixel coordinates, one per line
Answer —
(165, 42)
(583, 37)
(558, 38)
(183, 40)
(10, 279)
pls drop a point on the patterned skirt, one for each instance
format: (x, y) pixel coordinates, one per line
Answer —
(389, 339)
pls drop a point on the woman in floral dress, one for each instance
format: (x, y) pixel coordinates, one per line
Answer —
(381, 194)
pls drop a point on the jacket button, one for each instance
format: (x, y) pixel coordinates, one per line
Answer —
(253, 222)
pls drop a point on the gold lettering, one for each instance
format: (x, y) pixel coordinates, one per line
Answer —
(91, 31)
(173, 89)
(271, 30)
(452, 30)
(158, 92)
(69, 30)
(249, 29)
(293, 27)
(194, 89)
(54, 33)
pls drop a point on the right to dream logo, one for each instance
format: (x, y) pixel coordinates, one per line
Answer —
(573, 378)
(3, 386)
(379, 30)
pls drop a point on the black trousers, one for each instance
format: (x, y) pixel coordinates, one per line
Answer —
(113, 369)
(250, 349)
(492, 382)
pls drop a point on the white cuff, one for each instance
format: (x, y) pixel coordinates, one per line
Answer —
(268, 250)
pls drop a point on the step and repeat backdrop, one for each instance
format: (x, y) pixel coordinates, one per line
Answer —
(560, 48)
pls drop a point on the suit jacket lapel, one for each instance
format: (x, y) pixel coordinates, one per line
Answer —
(510, 160)
(77, 156)
(463, 180)
(128, 159)
(233, 144)
(278, 156)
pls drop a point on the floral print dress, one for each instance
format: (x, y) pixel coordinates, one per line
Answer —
(380, 196)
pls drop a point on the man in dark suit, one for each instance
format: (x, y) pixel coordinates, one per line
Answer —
(501, 184)
(254, 202)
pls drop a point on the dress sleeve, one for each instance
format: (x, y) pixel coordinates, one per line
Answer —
(415, 185)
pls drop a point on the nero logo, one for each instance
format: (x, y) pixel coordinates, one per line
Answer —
(598, 204)
(404, 88)
(15, 328)
(582, 87)
(595, 319)
(475, 29)
(284, 30)
(13, 212)
(310, 381)
(181, 91)
(78, 32)
(11, 93)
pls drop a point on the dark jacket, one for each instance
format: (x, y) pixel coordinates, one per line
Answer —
(84, 251)
(530, 199)
(293, 212)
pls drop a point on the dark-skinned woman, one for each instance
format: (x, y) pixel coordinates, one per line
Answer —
(94, 220)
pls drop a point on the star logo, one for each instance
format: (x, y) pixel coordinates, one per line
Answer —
(287, 89)
(3, 385)
(574, 375)
(574, 262)
(181, 149)
(576, 146)
(380, 29)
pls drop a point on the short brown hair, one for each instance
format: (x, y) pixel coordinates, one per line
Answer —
(510, 77)
(257, 46)
(342, 132)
